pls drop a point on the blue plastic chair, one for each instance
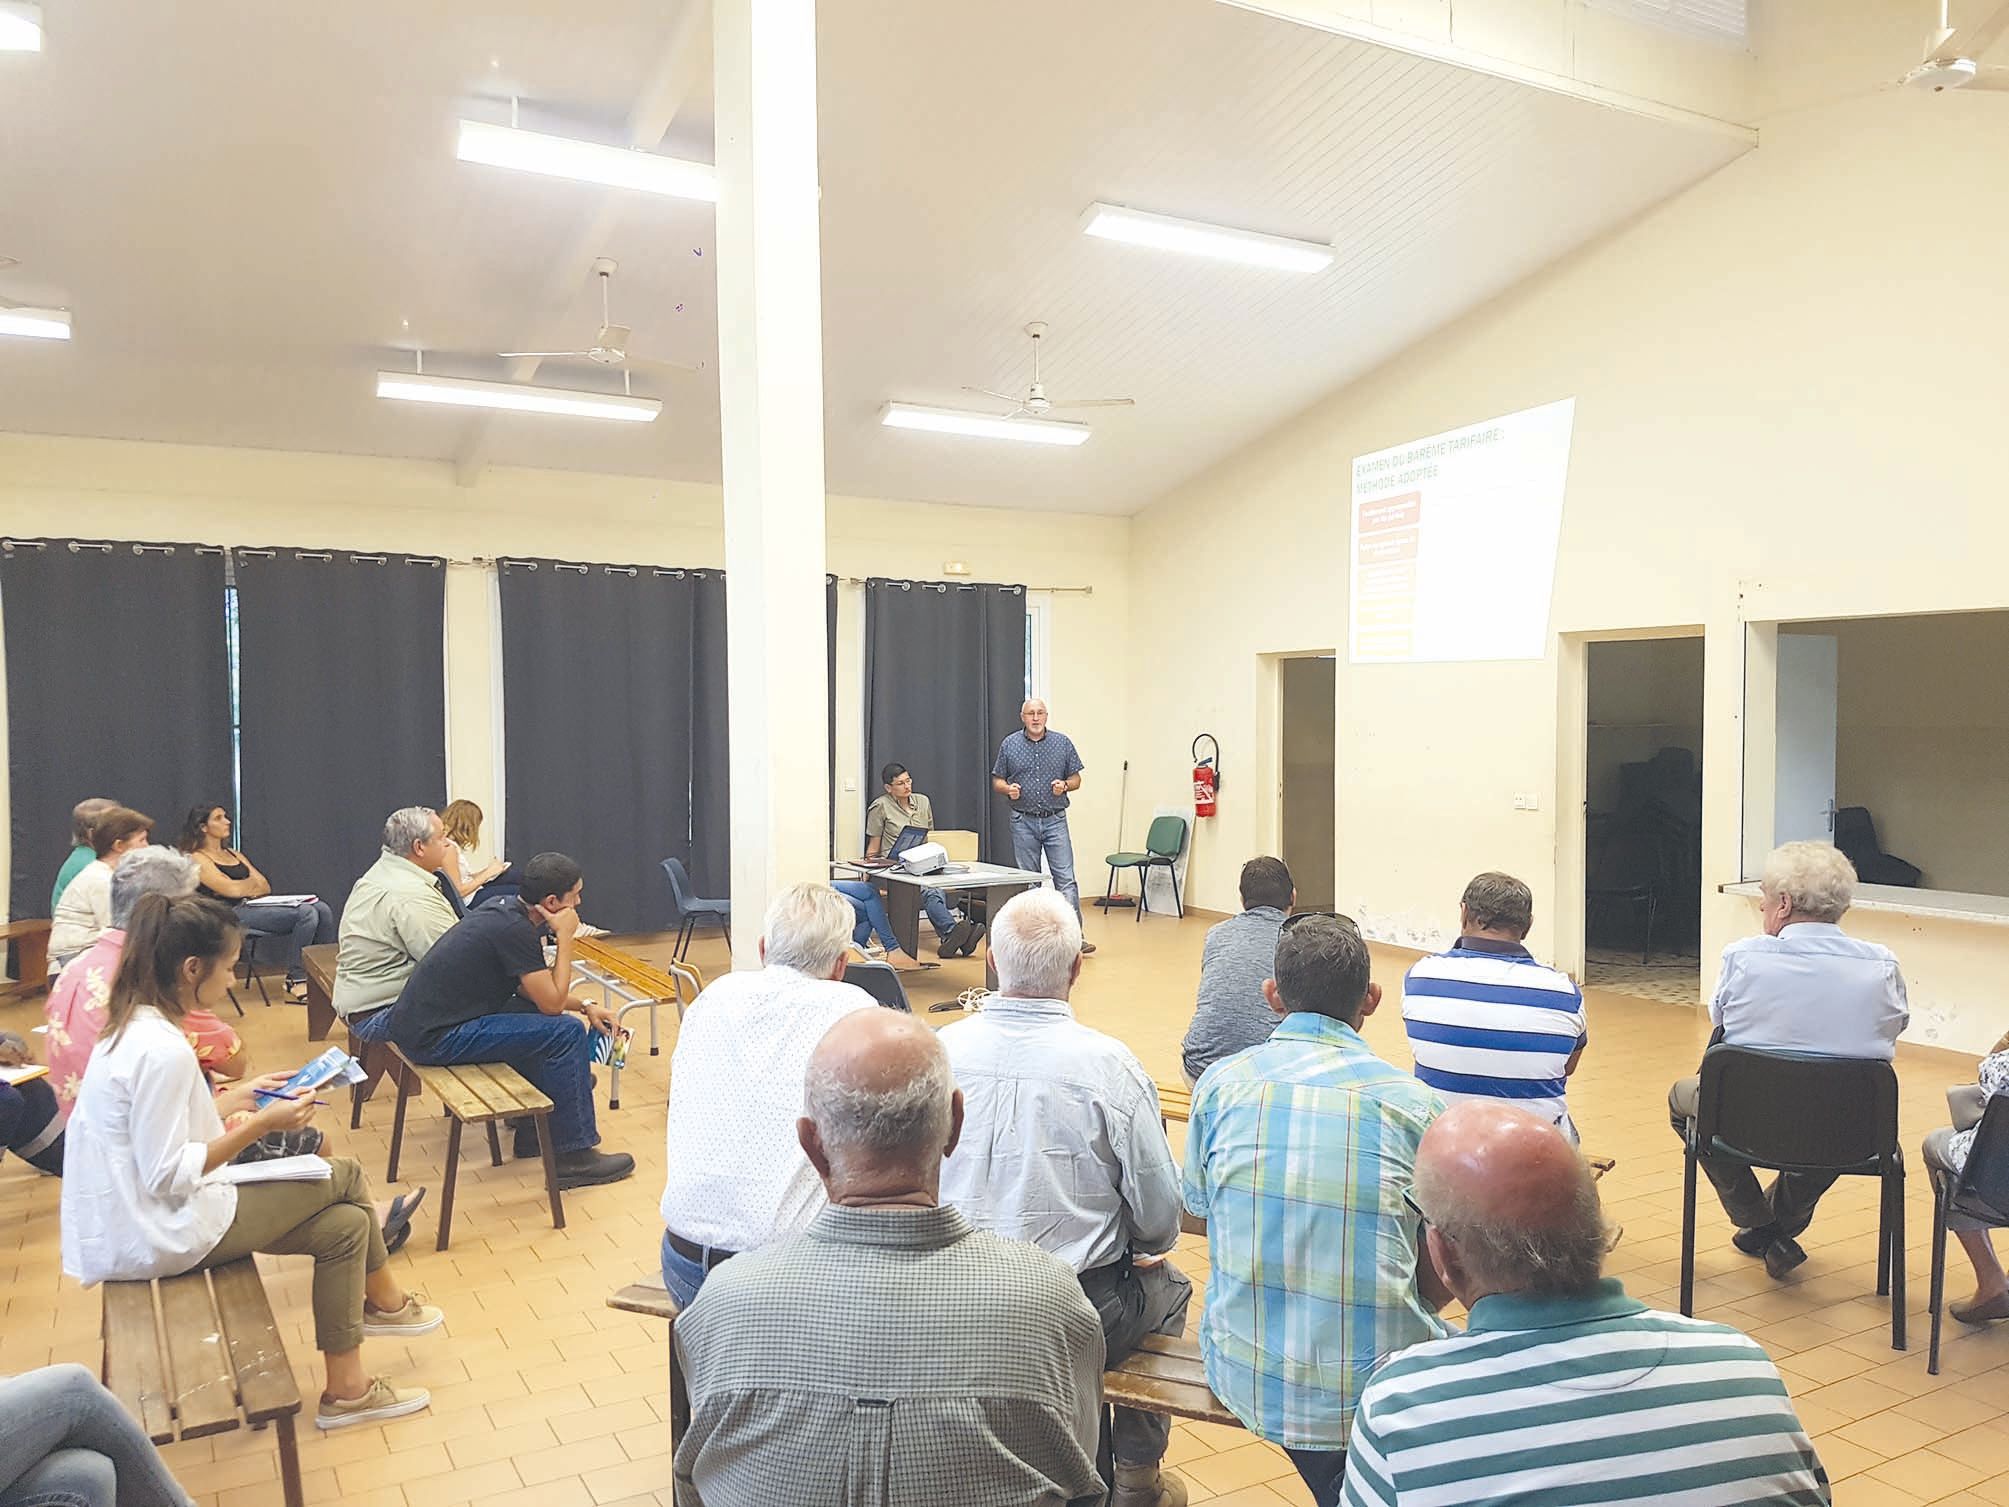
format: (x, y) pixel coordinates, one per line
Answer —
(687, 909)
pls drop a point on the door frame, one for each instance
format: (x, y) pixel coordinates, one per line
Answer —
(1269, 753)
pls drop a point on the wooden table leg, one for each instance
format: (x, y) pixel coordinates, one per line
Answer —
(289, 1462)
(550, 1155)
(405, 1081)
(446, 1193)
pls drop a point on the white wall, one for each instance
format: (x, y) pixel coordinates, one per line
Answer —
(1786, 407)
(122, 490)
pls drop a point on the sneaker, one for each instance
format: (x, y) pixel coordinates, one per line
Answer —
(590, 931)
(1781, 1256)
(959, 939)
(382, 1401)
(416, 1317)
(302, 1142)
(588, 1168)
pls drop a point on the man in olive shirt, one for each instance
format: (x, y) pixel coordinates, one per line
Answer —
(956, 934)
(393, 916)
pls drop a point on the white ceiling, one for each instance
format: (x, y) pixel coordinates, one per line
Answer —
(244, 201)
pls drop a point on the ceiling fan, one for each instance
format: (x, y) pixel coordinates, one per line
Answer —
(610, 345)
(1951, 57)
(1033, 402)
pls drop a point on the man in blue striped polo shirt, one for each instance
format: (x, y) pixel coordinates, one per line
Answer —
(1485, 1020)
(1561, 1390)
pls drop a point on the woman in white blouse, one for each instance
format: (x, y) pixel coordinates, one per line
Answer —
(84, 909)
(141, 1194)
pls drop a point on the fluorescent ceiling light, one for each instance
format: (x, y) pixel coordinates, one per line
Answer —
(987, 426)
(1115, 223)
(20, 26)
(586, 161)
(462, 392)
(37, 324)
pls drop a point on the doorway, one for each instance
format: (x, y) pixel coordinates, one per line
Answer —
(1643, 817)
(1307, 691)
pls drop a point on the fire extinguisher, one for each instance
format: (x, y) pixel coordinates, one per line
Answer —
(1206, 775)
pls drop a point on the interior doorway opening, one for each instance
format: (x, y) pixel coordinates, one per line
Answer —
(1308, 778)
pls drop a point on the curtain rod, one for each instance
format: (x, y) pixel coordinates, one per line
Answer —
(1084, 591)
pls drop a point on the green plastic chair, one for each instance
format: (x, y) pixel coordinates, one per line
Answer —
(1162, 846)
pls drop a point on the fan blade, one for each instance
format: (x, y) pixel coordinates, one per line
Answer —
(543, 355)
(1977, 39)
(1094, 403)
(1017, 400)
(652, 364)
(1989, 80)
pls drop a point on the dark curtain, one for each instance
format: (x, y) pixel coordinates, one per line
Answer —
(118, 685)
(341, 666)
(614, 728)
(944, 680)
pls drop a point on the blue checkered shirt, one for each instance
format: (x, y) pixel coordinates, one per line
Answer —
(1297, 1156)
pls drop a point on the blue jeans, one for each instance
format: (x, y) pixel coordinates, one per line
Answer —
(681, 1275)
(305, 925)
(31, 1126)
(871, 908)
(68, 1443)
(1323, 1470)
(552, 1051)
(1034, 835)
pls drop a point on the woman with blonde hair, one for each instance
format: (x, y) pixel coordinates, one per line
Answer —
(477, 882)
(140, 1195)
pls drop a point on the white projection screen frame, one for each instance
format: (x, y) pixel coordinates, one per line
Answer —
(1453, 541)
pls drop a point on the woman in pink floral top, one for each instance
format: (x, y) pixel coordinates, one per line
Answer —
(76, 1007)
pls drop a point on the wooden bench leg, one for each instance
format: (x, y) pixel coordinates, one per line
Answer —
(446, 1193)
(405, 1081)
(494, 1146)
(289, 1462)
(550, 1155)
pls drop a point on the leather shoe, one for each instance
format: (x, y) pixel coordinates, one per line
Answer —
(1996, 1307)
(587, 1168)
(1781, 1256)
(1147, 1486)
(1755, 1242)
(959, 939)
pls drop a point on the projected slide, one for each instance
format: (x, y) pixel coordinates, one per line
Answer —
(1454, 541)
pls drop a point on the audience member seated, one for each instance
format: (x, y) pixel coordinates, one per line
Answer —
(229, 876)
(68, 1443)
(484, 993)
(956, 933)
(1239, 953)
(1485, 1020)
(83, 816)
(890, 1352)
(76, 1010)
(1561, 1388)
(1063, 1146)
(477, 882)
(85, 907)
(1298, 1156)
(1803, 986)
(31, 1120)
(1947, 1150)
(870, 919)
(393, 915)
(738, 1178)
(146, 1133)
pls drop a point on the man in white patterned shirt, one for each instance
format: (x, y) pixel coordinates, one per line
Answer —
(737, 1178)
(1063, 1146)
(890, 1353)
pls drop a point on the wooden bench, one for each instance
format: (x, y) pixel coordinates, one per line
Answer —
(639, 984)
(1175, 1102)
(474, 1093)
(653, 1299)
(319, 963)
(31, 957)
(210, 1361)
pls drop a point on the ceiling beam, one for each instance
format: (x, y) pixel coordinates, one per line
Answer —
(1323, 15)
(685, 59)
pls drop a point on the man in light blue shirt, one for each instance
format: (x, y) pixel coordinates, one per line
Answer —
(1804, 986)
(1036, 769)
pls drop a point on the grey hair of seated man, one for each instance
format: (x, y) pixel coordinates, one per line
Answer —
(152, 870)
(1512, 1205)
(407, 827)
(1036, 945)
(807, 927)
(880, 1109)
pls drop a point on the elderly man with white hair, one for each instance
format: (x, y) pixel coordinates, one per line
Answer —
(394, 914)
(1063, 1145)
(1803, 986)
(888, 1353)
(737, 1179)
(1561, 1388)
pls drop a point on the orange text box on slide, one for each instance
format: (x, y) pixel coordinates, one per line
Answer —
(1398, 544)
(1405, 511)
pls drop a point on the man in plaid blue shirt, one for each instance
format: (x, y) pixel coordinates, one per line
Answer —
(1298, 1155)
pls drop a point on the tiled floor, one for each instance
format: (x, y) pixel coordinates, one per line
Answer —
(543, 1397)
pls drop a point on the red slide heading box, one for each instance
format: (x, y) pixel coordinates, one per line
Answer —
(1391, 513)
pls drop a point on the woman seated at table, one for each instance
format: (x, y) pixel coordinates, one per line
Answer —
(229, 876)
(1947, 1150)
(139, 1197)
(874, 921)
(477, 882)
(85, 909)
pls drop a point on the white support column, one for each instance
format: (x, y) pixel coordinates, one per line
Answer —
(771, 416)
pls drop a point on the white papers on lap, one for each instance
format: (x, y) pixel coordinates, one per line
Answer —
(281, 900)
(279, 1169)
(13, 1075)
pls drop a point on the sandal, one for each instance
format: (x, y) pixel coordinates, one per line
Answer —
(296, 991)
(398, 1221)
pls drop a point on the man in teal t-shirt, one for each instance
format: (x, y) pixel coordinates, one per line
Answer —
(82, 818)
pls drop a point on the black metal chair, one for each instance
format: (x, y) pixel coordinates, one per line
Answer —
(1981, 1191)
(882, 982)
(687, 909)
(247, 959)
(1797, 1112)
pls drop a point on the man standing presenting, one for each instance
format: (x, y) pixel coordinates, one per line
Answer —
(1035, 771)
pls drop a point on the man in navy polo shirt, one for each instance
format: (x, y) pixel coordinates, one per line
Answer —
(1035, 771)
(485, 993)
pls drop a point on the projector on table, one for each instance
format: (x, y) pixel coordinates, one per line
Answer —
(925, 858)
